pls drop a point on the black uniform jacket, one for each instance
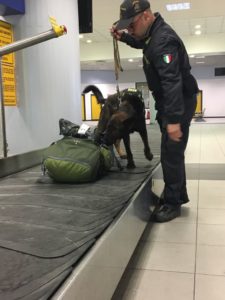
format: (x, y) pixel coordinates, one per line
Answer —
(167, 69)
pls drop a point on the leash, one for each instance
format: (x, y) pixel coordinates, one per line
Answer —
(117, 65)
(118, 68)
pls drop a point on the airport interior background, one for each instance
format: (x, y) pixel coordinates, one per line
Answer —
(43, 82)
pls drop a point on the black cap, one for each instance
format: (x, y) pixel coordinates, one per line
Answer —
(128, 10)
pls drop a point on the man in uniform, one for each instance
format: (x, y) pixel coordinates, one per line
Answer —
(167, 70)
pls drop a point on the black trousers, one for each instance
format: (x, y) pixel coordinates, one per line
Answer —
(173, 158)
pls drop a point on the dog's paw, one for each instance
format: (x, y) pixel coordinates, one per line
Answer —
(149, 155)
(131, 165)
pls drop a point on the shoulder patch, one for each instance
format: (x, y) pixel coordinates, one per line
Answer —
(167, 58)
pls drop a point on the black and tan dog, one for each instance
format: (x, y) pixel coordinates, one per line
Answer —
(110, 105)
(127, 117)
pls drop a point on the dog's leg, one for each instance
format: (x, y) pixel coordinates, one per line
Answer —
(130, 161)
(144, 136)
(118, 164)
(119, 150)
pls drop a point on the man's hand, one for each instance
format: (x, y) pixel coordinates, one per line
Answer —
(174, 132)
(116, 33)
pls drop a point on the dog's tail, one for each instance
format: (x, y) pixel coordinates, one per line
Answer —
(96, 92)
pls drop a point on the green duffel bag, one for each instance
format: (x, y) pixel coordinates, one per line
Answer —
(75, 160)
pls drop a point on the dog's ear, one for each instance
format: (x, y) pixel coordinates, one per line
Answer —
(106, 111)
(104, 118)
(113, 103)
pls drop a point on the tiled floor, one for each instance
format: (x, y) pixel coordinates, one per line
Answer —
(185, 258)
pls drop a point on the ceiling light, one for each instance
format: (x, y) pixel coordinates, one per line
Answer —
(130, 60)
(198, 32)
(178, 6)
(191, 55)
(88, 41)
(200, 57)
(200, 62)
(81, 36)
(197, 26)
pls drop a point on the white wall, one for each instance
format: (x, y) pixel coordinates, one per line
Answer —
(48, 76)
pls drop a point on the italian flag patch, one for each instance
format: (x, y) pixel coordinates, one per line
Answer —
(167, 58)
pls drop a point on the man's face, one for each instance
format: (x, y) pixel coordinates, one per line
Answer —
(138, 26)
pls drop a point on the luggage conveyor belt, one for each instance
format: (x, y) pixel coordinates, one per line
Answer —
(80, 234)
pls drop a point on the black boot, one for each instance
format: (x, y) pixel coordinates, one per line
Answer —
(167, 213)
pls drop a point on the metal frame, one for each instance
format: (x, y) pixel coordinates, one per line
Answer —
(17, 163)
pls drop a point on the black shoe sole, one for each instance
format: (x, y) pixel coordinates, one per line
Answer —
(161, 219)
